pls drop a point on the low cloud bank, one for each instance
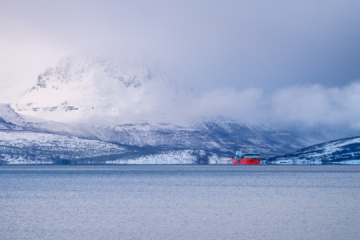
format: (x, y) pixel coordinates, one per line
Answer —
(317, 104)
(310, 105)
(86, 89)
(246, 105)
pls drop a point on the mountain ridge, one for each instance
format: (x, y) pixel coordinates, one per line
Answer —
(129, 104)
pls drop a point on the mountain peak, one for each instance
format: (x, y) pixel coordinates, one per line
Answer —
(82, 86)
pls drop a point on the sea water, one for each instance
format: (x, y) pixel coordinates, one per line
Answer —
(179, 202)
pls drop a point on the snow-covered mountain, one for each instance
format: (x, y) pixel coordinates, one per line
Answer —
(28, 139)
(107, 107)
(81, 87)
(346, 151)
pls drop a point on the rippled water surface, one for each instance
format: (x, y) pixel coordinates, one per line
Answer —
(180, 202)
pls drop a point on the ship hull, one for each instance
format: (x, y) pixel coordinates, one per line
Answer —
(251, 161)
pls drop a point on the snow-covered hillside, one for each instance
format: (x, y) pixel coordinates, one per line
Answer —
(220, 134)
(33, 147)
(345, 150)
(217, 138)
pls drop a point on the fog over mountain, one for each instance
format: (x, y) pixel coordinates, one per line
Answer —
(84, 88)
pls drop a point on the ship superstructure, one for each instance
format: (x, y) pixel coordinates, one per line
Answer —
(246, 158)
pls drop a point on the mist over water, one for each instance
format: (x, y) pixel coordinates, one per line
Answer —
(179, 202)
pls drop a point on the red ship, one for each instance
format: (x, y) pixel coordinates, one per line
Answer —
(246, 158)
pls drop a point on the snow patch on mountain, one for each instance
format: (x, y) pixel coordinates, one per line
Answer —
(175, 157)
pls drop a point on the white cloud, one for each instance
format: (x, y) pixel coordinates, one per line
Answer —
(316, 104)
(310, 105)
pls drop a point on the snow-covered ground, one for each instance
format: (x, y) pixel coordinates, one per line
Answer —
(297, 162)
(350, 162)
(171, 157)
(33, 147)
(174, 157)
(329, 148)
(342, 151)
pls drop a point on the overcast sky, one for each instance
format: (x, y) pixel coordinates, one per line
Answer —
(273, 47)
